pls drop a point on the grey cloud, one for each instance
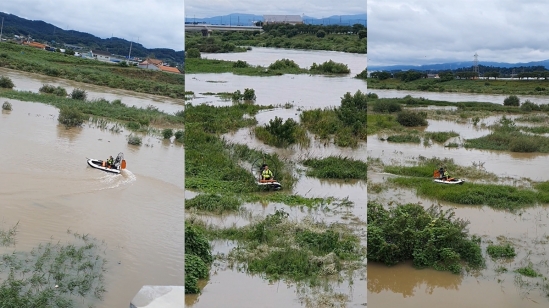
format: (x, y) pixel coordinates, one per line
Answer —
(157, 24)
(422, 31)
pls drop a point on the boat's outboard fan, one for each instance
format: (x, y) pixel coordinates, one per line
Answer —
(119, 159)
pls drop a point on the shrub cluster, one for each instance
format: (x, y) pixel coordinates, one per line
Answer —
(198, 257)
(429, 237)
(411, 119)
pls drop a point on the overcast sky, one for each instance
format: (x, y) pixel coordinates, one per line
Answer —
(429, 31)
(156, 23)
(317, 8)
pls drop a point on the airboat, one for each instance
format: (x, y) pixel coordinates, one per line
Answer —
(257, 168)
(117, 166)
(451, 181)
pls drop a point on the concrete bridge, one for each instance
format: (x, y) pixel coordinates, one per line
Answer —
(200, 27)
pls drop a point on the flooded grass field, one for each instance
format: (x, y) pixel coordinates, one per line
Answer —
(518, 281)
(229, 282)
(50, 192)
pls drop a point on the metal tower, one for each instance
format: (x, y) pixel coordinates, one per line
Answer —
(475, 64)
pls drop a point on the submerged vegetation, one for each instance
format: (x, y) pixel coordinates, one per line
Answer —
(506, 136)
(53, 274)
(336, 168)
(102, 108)
(282, 134)
(277, 68)
(346, 123)
(280, 248)
(429, 237)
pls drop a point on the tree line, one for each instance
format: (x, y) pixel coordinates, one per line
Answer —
(467, 73)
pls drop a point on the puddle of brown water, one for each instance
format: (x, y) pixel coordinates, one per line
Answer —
(49, 188)
(25, 81)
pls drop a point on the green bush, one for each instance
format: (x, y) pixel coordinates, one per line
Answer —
(372, 96)
(240, 64)
(330, 67)
(362, 75)
(283, 64)
(49, 89)
(523, 145)
(6, 106)
(195, 269)
(386, 106)
(193, 53)
(167, 133)
(133, 125)
(179, 135)
(249, 95)
(320, 34)
(404, 139)
(134, 140)
(197, 244)
(501, 251)
(71, 117)
(79, 94)
(511, 100)
(529, 106)
(284, 132)
(411, 119)
(6, 83)
(429, 237)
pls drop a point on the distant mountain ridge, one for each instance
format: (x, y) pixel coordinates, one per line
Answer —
(238, 19)
(43, 31)
(455, 65)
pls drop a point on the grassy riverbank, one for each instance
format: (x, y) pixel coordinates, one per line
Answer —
(516, 87)
(54, 64)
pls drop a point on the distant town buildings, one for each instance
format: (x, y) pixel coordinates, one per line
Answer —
(157, 65)
(99, 55)
(282, 19)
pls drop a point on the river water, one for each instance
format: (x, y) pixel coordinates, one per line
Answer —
(227, 287)
(527, 229)
(48, 188)
(458, 97)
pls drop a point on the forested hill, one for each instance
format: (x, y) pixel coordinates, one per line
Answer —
(42, 31)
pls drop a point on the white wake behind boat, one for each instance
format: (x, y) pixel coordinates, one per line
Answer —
(118, 164)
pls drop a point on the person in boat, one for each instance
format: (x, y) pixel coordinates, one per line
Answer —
(441, 173)
(446, 174)
(266, 174)
(110, 161)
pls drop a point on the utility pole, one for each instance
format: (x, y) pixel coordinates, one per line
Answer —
(129, 56)
(1, 29)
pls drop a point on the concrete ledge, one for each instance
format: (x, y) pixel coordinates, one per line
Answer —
(159, 297)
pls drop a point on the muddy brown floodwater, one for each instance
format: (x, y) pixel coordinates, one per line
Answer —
(46, 186)
(527, 229)
(227, 287)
